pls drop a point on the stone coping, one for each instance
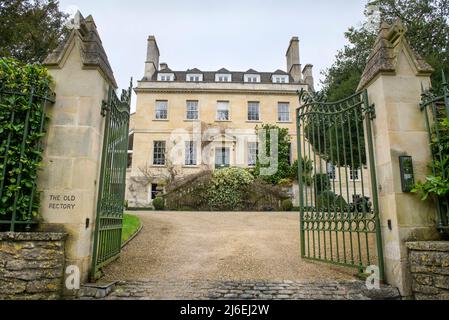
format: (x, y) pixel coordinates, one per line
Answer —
(32, 236)
(442, 246)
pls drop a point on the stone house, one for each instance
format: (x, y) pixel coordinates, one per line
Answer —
(188, 121)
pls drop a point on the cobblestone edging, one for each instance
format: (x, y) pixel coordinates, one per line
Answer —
(429, 265)
(249, 290)
(31, 265)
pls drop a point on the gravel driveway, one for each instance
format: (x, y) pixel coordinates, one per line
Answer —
(185, 246)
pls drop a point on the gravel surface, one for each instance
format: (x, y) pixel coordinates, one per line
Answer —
(186, 246)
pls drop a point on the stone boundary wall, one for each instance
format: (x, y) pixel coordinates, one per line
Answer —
(31, 265)
(429, 265)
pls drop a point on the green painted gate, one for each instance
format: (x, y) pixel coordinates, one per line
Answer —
(339, 208)
(111, 192)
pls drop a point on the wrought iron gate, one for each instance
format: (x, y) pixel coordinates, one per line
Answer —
(111, 192)
(339, 209)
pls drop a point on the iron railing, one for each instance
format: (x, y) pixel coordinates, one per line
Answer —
(22, 124)
(435, 106)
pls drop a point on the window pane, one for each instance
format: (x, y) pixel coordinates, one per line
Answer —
(253, 111)
(222, 157)
(354, 174)
(331, 172)
(223, 111)
(161, 110)
(190, 153)
(159, 153)
(284, 112)
(252, 153)
(192, 110)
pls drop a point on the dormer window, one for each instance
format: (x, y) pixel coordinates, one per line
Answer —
(223, 78)
(252, 78)
(280, 79)
(223, 75)
(194, 77)
(165, 77)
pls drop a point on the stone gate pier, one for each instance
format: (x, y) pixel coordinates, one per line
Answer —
(394, 77)
(73, 146)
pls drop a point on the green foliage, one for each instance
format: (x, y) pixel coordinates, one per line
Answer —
(159, 204)
(287, 205)
(307, 171)
(328, 200)
(322, 183)
(226, 188)
(18, 113)
(437, 184)
(30, 30)
(284, 170)
(427, 23)
(223, 190)
(327, 137)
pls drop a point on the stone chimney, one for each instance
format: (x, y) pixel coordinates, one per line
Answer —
(307, 74)
(152, 63)
(164, 66)
(293, 62)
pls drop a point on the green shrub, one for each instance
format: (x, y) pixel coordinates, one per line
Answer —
(159, 204)
(17, 80)
(322, 183)
(287, 205)
(226, 191)
(328, 200)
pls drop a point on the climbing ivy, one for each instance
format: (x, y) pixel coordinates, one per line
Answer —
(437, 184)
(23, 88)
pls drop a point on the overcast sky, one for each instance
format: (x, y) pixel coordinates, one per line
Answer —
(209, 35)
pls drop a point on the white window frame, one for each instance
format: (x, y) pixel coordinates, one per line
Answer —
(253, 104)
(194, 77)
(283, 104)
(351, 174)
(161, 155)
(191, 154)
(331, 170)
(226, 156)
(166, 77)
(253, 153)
(223, 77)
(228, 109)
(190, 103)
(252, 78)
(156, 110)
(280, 79)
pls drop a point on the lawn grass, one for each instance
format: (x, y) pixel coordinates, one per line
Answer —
(130, 226)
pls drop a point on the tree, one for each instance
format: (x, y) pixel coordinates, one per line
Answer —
(284, 169)
(30, 30)
(339, 140)
(427, 23)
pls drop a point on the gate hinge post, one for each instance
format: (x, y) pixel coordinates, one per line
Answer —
(372, 111)
(104, 108)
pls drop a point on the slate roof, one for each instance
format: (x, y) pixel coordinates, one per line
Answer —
(166, 70)
(92, 51)
(223, 70)
(251, 71)
(209, 76)
(280, 72)
(194, 70)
